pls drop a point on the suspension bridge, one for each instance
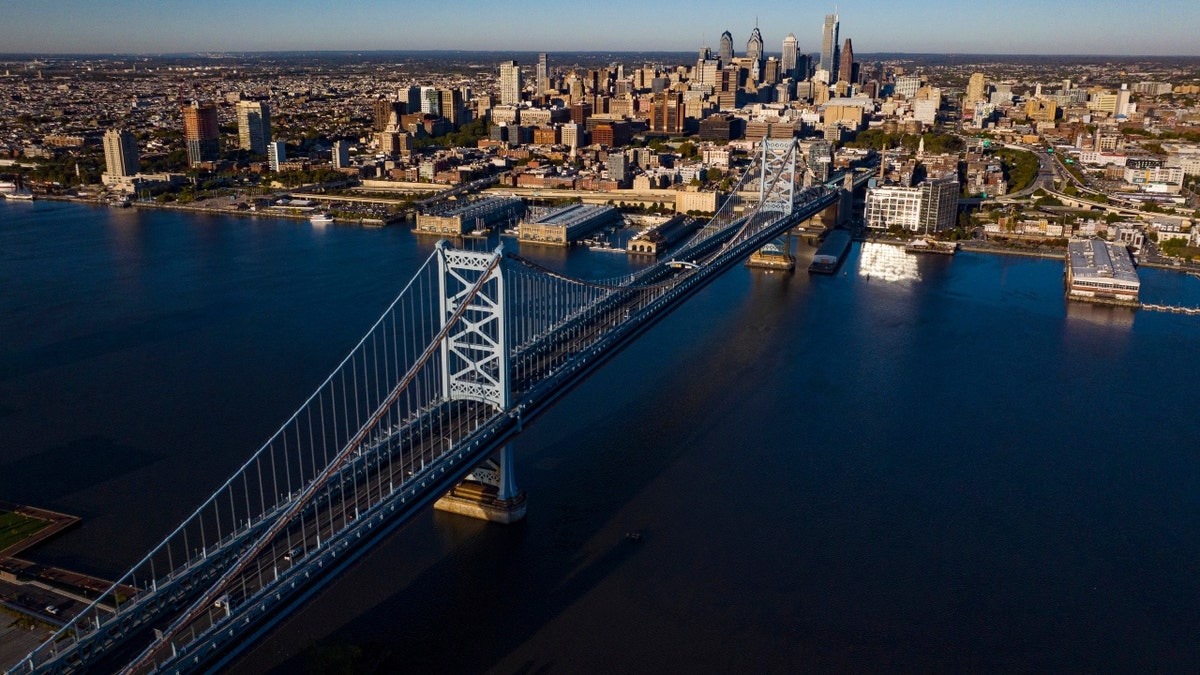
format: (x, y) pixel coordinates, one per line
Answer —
(475, 346)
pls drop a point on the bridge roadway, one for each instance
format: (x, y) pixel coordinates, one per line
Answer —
(357, 508)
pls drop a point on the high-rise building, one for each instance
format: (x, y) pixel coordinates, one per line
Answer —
(254, 126)
(667, 113)
(706, 74)
(387, 112)
(725, 52)
(772, 71)
(829, 46)
(543, 73)
(790, 49)
(120, 153)
(939, 204)
(411, 97)
(976, 89)
(845, 71)
(431, 101)
(617, 166)
(276, 154)
(803, 67)
(907, 85)
(510, 83)
(754, 46)
(341, 154)
(452, 106)
(201, 133)
(930, 207)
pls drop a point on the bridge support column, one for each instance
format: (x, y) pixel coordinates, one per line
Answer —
(777, 185)
(489, 493)
(774, 256)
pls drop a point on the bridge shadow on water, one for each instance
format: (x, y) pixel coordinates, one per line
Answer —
(450, 594)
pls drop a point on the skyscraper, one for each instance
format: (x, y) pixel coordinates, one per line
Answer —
(725, 52)
(754, 46)
(431, 101)
(706, 72)
(510, 83)
(276, 154)
(411, 98)
(829, 45)
(201, 133)
(341, 154)
(790, 47)
(845, 71)
(387, 112)
(452, 106)
(254, 126)
(976, 89)
(543, 73)
(120, 153)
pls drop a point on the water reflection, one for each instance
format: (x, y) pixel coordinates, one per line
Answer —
(1102, 315)
(887, 262)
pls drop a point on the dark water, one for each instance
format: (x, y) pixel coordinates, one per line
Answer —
(920, 465)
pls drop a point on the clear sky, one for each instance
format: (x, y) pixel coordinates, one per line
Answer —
(1117, 27)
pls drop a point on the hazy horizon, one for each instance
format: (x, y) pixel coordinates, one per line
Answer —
(1019, 27)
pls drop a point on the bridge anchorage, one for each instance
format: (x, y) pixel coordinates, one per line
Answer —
(420, 414)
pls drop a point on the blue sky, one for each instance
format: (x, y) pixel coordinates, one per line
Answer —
(1152, 27)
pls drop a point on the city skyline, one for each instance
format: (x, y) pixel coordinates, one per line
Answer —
(1155, 28)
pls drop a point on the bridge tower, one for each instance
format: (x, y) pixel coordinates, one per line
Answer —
(475, 367)
(777, 184)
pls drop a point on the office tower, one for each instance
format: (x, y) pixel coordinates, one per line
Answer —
(452, 106)
(276, 154)
(790, 48)
(254, 126)
(845, 72)
(829, 45)
(667, 113)
(388, 112)
(725, 52)
(120, 153)
(543, 73)
(706, 72)
(754, 46)
(803, 67)
(431, 101)
(772, 71)
(510, 83)
(976, 89)
(411, 98)
(341, 154)
(201, 133)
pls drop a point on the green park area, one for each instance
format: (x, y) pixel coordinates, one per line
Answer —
(15, 528)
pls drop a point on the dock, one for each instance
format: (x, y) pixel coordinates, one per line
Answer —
(40, 597)
(922, 246)
(1102, 272)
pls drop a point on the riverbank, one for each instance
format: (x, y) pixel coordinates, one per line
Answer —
(219, 211)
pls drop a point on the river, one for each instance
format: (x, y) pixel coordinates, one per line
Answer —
(918, 464)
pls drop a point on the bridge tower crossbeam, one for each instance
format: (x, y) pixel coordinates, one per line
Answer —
(475, 367)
